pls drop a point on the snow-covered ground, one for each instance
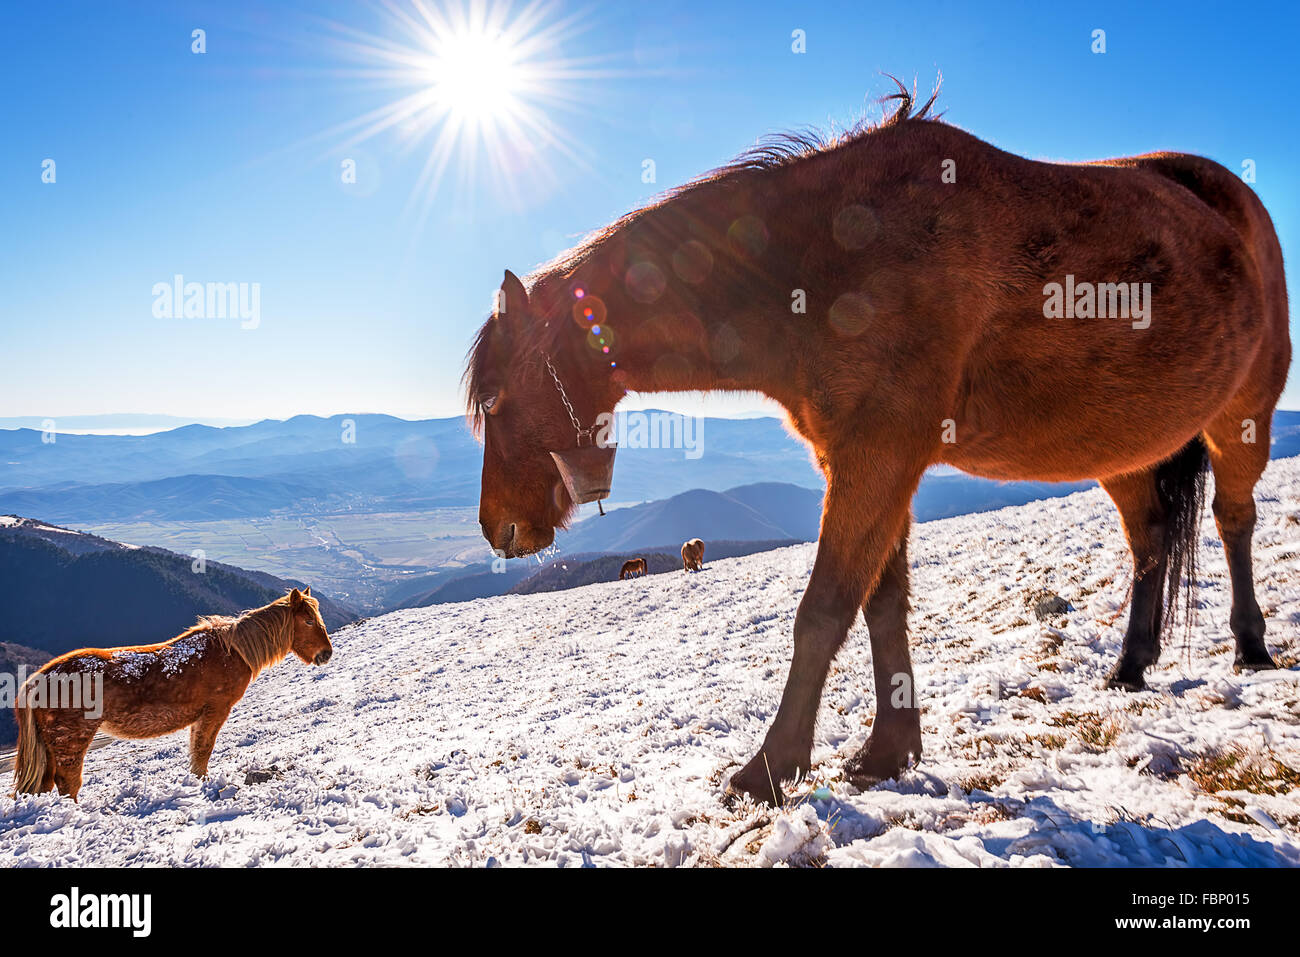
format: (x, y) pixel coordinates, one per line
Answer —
(597, 726)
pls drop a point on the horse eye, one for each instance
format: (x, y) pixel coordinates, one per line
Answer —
(487, 402)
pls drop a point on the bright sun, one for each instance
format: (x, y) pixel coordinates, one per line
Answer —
(480, 82)
(473, 75)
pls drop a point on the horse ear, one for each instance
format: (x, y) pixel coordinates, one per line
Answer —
(295, 598)
(512, 301)
(307, 591)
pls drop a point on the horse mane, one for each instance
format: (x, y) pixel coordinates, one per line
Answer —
(260, 636)
(772, 152)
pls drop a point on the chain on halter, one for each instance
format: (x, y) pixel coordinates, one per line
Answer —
(564, 397)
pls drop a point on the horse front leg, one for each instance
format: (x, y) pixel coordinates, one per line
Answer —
(860, 527)
(895, 739)
(203, 738)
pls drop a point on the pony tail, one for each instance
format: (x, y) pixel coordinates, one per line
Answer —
(32, 757)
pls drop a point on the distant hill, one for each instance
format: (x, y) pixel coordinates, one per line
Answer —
(185, 498)
(126, 422)
(526, 577)
(560, 573)
(773, 510)
(463, 584)
(65, 590)
(943, 496)
(764, 512)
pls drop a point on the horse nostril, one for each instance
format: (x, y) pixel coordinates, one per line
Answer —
(324, 656)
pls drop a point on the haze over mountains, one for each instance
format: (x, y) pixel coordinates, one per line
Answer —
(342, 463)
(377, 462)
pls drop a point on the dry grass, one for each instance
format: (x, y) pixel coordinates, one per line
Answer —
(980, 782)
(1095, 732)
(1237, 769)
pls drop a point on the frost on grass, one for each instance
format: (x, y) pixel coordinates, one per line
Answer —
(598, 726)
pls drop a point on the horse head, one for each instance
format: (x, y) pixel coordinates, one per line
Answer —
(311, 642)
(537, 397)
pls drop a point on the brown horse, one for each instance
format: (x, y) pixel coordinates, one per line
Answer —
(632, 569)
(692, 555)
(896, 290)
(147, 690)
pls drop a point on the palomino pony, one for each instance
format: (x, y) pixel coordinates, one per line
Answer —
(147, 690)
(632, 568)
(897, 290)
(692, 555)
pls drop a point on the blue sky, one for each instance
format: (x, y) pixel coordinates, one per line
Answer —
(225, 167)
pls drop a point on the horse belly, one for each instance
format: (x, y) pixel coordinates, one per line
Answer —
(138, 713)
(1096, 404)
(149, 722)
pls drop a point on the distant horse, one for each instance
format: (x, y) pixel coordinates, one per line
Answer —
(899, 291)
(148, 690)
(693, 555)
(632, 568)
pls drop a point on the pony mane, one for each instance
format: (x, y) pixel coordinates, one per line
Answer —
(260, 636)
(772, 152)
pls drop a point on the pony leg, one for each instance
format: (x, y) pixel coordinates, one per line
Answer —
(861, 524)
(203, 737)
(896, 734)
(1143, 518)
(1237, 467)
(68, 748)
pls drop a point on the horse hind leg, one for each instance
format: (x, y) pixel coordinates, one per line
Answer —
(1160, 508)
(68, 743)
(1143, 518)
(1237, 466)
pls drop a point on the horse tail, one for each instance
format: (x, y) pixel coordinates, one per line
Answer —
(32, 758)
(1180, 486)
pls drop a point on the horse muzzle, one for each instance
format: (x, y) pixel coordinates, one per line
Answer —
(323, 657)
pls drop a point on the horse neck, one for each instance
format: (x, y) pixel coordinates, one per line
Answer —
(279, 632)
(739, 328)
(730, 331)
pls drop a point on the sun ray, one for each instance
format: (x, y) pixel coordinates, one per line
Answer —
(481, 84)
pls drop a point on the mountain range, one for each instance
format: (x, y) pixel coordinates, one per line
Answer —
(341, 463)
(66, 589)
(349, 463)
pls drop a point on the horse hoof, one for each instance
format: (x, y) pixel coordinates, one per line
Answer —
(871, 765)
(1249, 667)
(753, 780)
(1125, 678)
(1114, 683)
